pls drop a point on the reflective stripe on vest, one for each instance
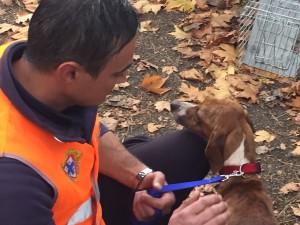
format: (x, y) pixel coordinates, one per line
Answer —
(82, 213)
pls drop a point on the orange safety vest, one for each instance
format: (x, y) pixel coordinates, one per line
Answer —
(70, 168)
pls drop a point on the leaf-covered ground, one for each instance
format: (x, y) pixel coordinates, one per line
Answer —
(187, 50)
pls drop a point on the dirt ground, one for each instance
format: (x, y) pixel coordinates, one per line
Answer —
(279, 166)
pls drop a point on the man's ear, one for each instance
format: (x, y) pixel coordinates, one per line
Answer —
(68, 71)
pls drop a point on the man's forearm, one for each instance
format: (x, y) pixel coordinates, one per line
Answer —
(116, 162)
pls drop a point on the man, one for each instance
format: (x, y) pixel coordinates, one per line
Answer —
(51, 152)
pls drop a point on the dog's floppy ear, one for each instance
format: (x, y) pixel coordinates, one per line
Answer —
(215, 149)
(249, 121)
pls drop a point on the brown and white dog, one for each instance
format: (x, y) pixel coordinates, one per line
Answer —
(230, 150)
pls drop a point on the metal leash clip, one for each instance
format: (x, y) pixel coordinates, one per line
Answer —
(234, 173)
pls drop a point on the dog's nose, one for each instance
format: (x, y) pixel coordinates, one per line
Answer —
(175, 105)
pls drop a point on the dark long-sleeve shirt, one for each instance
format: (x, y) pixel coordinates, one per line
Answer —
(25, 197)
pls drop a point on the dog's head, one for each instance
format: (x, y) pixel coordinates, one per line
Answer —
(224, 123)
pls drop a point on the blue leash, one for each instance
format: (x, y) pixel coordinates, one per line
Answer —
(175, 187)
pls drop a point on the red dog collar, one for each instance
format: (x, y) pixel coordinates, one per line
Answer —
(245, 168)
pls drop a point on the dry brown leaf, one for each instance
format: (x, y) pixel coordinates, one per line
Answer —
(4, 27)
(295, 103)
(220, 20)
(296, 119)
(144, 6)
(169, 69)
(227, 52)
(2, 12)
(22, 33)
(144, 64)
(191, 93)
(186, 51)
(121, 85)
(154, 84)
(296, 210)
(7, 2)
(202, 4)
(123, 101)
(162, 105)
(290, 187)
(31, 5)
(145, 26)
(110, 123)
(23, 17)
(263, 135)
(192, 74)
(152, 127)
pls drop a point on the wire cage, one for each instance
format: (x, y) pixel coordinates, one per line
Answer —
(269, 36)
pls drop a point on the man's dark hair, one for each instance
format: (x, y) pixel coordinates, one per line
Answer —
(88, 32)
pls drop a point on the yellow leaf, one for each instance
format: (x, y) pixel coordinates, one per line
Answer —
(263, 135)
(180, 34)
(154, 84)
(161, 105)
(181, 5)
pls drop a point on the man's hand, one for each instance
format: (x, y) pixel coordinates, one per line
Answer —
(196, 210)
(144, 205)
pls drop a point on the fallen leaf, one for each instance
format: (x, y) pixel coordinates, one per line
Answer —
(227, 52)
(162, 105)
(192, 74)
(263, 135)
(121, 85)
(290, 187)
(180, 34)
(145, 26)
(295, 103)
(122, 101)
(296, 210)
(169, 69)
(31, 5)
(2, 12)
(144, 6)
(296, 151)
(23, 17)
(191, 93)
(282, 146)
(4, 27)
(220, 20)
(154, 84)
(109, 122)
(143, 65)
(181, 5)
(7, 2)
(152, 127)
(202, 4)
(262, 150)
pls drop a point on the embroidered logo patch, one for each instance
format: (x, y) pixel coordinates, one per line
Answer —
(71, 164)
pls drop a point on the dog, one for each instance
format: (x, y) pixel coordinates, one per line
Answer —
(231, 152)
